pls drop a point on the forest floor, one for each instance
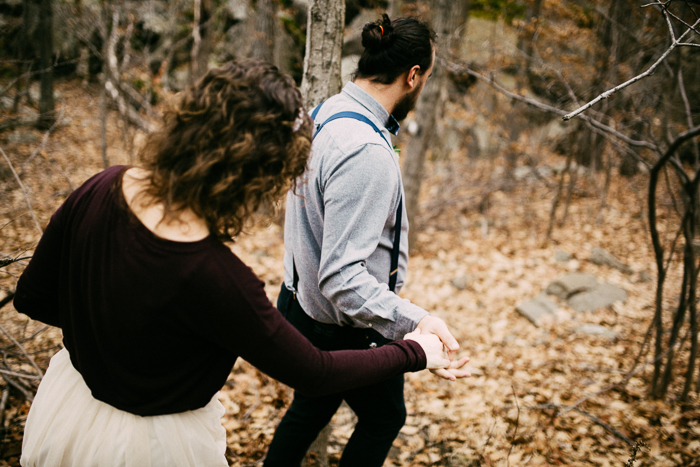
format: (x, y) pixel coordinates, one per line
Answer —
(506, 412)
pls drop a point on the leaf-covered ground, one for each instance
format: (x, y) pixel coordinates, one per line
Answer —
(483, 229)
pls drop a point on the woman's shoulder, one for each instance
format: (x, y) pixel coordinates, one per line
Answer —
(100, 182)
(104, 178)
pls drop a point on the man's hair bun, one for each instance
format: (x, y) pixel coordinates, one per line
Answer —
(377, 35)
(393, 47)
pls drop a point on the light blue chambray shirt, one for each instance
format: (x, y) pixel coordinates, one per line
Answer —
(339, 227)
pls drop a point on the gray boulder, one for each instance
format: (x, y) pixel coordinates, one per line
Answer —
(602, 258)
(522, 172)
(22, 137)
(352, 42)
(601, 296)
(571, 284)
(537, 308)
(596, 330)
(461, 282)
(562, 256)
(645, 276)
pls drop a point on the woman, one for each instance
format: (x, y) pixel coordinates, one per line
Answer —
(155, 309)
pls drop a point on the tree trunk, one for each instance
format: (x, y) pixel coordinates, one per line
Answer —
(201, 33)
(320, 447)
(324, 42)
(527, 36)
(264, 34)
(169, 45)
(446, 18)
(395, 8)
(43, 39)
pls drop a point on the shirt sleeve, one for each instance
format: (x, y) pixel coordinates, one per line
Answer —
(360, 192)
(38, 286)
(248, 325)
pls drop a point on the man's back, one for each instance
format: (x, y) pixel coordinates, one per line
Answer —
(340, 225)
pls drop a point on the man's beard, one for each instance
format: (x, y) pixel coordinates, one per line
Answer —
(406, 104)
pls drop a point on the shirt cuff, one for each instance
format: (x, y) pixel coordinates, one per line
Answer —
(408, 317)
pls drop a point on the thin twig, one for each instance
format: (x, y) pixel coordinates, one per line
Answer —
(22, 349)
(26, 196)
(609, 428)
(60, 170)
(44, 141)
(3, 405)
(19, 375)
(629, 376)
(697, 31)
(488, 439)
(7, 299)
(18, 386)
(548, 108)
(649, 71)
(671, 31)
(32, 73)
(517, 422)
(595, 420)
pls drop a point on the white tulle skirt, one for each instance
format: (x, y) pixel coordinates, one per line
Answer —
(67, 427)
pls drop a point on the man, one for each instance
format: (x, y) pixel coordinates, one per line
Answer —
(347, 245)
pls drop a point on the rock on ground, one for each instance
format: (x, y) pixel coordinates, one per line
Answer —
(537, 308)
(596, 330)
(562, 256)
(602, 258)
(571, 284)
(601, 296)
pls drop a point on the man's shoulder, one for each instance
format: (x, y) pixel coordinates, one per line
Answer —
(349, 134)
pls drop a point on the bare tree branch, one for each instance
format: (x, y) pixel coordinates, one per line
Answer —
(22, 349)
(675, 43)
(26, 196)
(688, 25)
(688, 114)
(515, 432)
(595, 420)
(671, 31)
(197, 38)
(44, 141)
(657, 3)
(3, 405)
(7, 299)
(18, 386)
(566, 408)
(19, 375)
(548, 108)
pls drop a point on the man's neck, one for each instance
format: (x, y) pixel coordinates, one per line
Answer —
(386, 94)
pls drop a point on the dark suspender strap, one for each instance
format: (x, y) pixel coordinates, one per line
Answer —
(395, 249)
(295, 277)
(356, 116)
(393, 273)
(315, 112)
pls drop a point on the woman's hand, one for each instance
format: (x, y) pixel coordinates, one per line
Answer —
(437, 357)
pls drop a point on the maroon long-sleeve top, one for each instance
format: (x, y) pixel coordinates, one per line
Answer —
(154, 326)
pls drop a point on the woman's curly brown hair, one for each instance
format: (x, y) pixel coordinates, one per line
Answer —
(238, 139)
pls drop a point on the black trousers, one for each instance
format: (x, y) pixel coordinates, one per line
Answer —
(380, 408)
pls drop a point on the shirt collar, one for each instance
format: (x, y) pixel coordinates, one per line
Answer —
(371, 104)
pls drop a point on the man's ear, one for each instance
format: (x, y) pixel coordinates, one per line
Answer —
(411, 77)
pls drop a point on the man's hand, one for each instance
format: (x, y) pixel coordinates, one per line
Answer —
(434, 325)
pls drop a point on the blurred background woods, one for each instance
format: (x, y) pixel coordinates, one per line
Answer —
(495, 169)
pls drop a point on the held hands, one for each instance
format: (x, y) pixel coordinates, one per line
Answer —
(438, 360)
(434, 325)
